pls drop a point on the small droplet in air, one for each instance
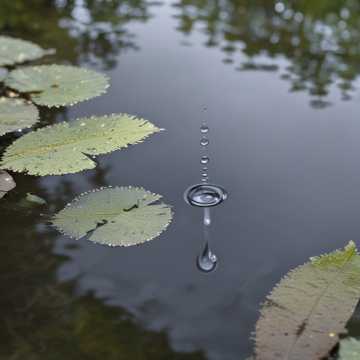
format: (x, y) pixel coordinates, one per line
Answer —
(204, 129)
(204, 142)
(204, 160)
(207, 260)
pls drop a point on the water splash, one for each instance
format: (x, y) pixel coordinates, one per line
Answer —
(205, 195)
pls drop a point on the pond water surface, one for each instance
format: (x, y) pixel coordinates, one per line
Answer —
(277, 85)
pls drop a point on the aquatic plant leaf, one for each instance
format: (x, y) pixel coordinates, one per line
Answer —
(32, 198)
(16, 114)
(67, 147)
(57, 85)
(349, 349)
(306, 312)
(3, 74)
(120, 216)
(16, 51)
(7, 183)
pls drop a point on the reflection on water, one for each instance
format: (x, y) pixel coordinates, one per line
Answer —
(42, 317)
(82, 31)
(319, 39)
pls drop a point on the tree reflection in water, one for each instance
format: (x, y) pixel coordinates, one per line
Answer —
(320, 39)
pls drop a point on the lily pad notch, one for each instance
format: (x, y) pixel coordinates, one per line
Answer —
(119, 216)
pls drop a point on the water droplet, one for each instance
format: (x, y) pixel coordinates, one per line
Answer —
(207, 260)
(204, 174)
(207, 217)
(205, 168)
(204, 160)
(204, 142)
(204, 129)
(205, 195)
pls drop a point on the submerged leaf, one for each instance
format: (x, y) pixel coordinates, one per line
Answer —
(121, 216)
(67, 147)
(16, 114)
(349, 349)
(15, 51)
(7, 183)
(32, 198)
(57, 85)
(307, 311)
(3, 74)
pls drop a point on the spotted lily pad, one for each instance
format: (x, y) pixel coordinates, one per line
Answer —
(15, 51)
(16, 114)
(7, 183)
(120, 216)
(3, 74)
(68, 147)
(57, 85)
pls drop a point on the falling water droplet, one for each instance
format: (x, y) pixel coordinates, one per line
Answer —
(204, 129)
(204, 174)
(207, 217)
(207, 260)
(204, 160)
(204, 142)
(205, 195)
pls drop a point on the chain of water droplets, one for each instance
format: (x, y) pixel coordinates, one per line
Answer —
(204, 142)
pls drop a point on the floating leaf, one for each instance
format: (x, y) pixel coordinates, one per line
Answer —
(349, 349)
(15, 51)
(7, 183)
(3, 74)
(16, 114)
(32, 198)
(67, 147)
(57, 85)
(307, 311)
(121, 216)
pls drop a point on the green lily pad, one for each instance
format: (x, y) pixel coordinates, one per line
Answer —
(16, 51)
(3, 74)
(120, 216)
(16, 114)
(67, 147)
(349, 349)
(57, 85)
(7, 183)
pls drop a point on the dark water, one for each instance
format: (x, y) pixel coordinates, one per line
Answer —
(280, 85)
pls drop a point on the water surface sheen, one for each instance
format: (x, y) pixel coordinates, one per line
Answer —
(280, 87)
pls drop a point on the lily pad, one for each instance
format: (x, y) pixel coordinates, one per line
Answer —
(68, 147)
(7, 183)
(16, 51)
(349, 349)
(306, 313)
(16, 114)
(3, 74)
(120, 216)
(57, 85)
